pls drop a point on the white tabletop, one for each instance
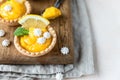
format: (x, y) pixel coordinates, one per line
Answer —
(105, 20)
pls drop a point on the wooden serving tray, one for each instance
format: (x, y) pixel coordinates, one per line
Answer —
(63, 28)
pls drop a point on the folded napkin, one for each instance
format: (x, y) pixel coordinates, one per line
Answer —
(83, 64)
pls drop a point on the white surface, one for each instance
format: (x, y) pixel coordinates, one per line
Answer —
(105, 19)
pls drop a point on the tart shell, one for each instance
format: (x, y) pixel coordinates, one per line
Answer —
(37, 54)
(15, 21)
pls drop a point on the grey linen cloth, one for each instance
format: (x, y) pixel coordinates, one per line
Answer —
(83, 64)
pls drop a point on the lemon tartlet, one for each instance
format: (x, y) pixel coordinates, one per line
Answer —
(12, 10)
(35, 37)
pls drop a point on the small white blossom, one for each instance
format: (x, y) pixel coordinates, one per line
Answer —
(41, 40)
(5, 43)
(59, 76)
(64, 50)
(47, 35)
(2, 33)
(37, 32)
(7, 8)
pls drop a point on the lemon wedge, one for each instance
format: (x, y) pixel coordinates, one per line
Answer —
(35, 21)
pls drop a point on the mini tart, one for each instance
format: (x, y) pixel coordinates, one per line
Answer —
(15, 21)
(36, 54)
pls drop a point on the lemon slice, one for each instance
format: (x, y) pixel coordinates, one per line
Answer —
(33, 21)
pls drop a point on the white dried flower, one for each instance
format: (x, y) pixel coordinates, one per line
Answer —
(59, 76)
(8, 8)
(37, 32)
(64, 50)
(2, 33)
(41, 40)
(47, 35)
(5, 43)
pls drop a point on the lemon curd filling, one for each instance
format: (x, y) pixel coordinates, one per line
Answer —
(51, 13)
(12, 10)
(31, 42)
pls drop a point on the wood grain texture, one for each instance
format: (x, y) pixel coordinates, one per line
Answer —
(63, 28)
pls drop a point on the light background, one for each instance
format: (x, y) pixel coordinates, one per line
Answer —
(105, 21)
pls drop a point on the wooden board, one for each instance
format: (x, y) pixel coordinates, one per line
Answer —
(62, 25)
